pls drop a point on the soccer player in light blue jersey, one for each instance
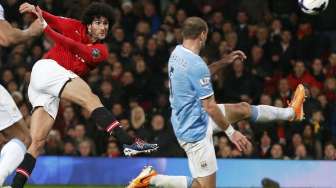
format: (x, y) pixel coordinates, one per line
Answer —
(195, 113)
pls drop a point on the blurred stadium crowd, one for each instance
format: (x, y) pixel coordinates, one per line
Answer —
(284, 48)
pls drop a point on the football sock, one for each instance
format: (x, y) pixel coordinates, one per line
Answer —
(265, 113)
(171, 181)
(24, 171)
(107, 121)
(11, 156)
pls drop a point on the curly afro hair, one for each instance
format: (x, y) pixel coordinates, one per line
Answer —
(97, 10)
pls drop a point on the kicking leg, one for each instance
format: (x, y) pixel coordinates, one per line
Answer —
(80, 93)
(148, 177)
(14, 150)
(265, 113)
(259, 113)
(41, 124)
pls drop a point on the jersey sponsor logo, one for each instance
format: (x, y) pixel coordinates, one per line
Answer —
(205, 81)
(95, 53)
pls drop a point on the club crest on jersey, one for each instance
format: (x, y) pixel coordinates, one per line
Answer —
(205, 81)
(204, 164)
(95, 53)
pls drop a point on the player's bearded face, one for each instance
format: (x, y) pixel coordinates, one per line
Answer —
(98, 28)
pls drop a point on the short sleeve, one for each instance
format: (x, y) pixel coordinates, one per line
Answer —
(200, 78)
(2, 16)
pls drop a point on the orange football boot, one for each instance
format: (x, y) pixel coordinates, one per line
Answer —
(297, 103)
(143, 179)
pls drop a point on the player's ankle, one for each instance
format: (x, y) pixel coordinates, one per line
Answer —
(104, 119)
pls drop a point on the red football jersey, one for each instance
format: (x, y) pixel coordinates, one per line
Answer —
(73, 49)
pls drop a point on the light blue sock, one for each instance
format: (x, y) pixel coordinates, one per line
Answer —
(254, 113)
(164, 181)
(266, 113)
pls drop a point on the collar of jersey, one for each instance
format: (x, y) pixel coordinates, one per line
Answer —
(186, 49)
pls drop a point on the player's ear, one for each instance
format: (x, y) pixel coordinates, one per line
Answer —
(89, 28)
(203, 36)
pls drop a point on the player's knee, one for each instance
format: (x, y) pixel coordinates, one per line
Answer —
(245, 109)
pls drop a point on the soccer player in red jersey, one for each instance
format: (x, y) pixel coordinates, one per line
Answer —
(78, 48)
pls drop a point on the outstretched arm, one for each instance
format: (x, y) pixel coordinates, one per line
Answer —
(60, 24)
(227, 60)
(10, 35)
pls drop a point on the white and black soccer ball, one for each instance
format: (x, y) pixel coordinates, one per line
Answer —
(313, 7)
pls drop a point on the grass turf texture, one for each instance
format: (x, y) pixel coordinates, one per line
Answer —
(72, 186)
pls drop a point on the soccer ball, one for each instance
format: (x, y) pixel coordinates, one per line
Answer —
(313, 6)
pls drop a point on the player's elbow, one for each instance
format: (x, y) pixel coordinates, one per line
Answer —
(210, 107)
(5, 42)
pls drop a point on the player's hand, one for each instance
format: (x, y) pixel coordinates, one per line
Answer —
(27, 8)
(38, 13)
(36, 28)
(40, 17)
(240, 141)
(233, 56)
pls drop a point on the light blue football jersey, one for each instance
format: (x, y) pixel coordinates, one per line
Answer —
(189, 83)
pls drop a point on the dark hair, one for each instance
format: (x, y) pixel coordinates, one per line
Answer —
(97, 10)
(193, 27)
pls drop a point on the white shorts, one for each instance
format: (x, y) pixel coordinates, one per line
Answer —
(2, 17)
(201, 154)
(9, 112)
(47, 81)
